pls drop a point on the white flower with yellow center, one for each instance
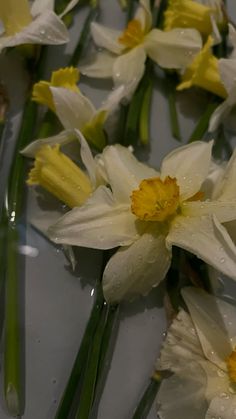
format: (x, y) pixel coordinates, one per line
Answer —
(24, 23)
(200, 349)
(146, 212)
(128, 50)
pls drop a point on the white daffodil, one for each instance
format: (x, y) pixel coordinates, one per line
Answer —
(146, 212)
(75, 110)
(58, 174)
(128, 50)
(36, 23)
(200, 350)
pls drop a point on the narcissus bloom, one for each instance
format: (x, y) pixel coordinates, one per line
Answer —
(75, 110)
(32, 24)
(204, 72)
(128, 50)
(200, 349)
(146, 212)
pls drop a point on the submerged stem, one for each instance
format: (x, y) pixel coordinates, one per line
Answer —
(148, 397)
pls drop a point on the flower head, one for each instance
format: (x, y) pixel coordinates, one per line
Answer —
(128, 50)
(146, 212)
(36, 24)
(200, 350)
(204, 72)
(64, 77)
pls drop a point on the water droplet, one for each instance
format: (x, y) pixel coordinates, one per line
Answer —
(221, 373)
(224, 396)
(42, 32)
(222, 260)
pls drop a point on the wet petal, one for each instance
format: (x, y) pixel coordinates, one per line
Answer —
(106, 38)
(225, 188)
(129, 68)
(144, 15)
(39, 6)
(101, 65)
(136, 269)
(46, 29)
(206, 238)
(99, 224)
(225, 404)
(173, 49)
(124, 171)
(223, 110)
(223, 210)
(62, 138)
(72, 108)
(214, 320)
(189, 165)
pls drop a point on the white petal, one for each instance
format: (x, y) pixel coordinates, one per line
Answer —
(223, 110)
(227, 69)
(225, 406)
(99, 224)
(173, 49)
(101, 65)
(124, 171)
(207, 239)
(182, 397)
(189, 165)
(106, 38)
(69, 7)
(87, 158)
(39, 6)
(46, 29)
(136, 269)
(144, 15)
(63, 138)
(212, 318)
(223, 210)
(225, 188)
(113, 100)
(181, 345)
(129, 68)
(72, 108)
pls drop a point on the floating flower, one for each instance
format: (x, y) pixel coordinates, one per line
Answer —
(200, 349)
(204, 72)
(129, 49)
(36, 24)
(75, 110)
(146, 213)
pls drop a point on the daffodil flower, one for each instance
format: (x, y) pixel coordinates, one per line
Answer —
(146, 212)
(32, 24)
(204, 72)
(55, 172)
(192, 14)
(128, 50)
(75, 110)
(200, 351)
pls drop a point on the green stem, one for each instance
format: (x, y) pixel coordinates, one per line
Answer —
(145, 115)
(171, 95)
(90, 377)
(130, 10)
(202, 125)
(83, 37)
(13, 210)
(148, 397)
(160, 14)
(75, 376)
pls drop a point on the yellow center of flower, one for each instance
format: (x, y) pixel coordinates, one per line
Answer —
(156, 199)
(132, 35)
(67, 77)
(231, 365)
(15, 15)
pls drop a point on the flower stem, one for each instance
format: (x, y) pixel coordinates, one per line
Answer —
(13, 211)
(77, 370)
(130, 10)
(148, 397)
(171, 95)
(202, 125)
(145, 114)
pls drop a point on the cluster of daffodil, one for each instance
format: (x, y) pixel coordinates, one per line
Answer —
(117, 202)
